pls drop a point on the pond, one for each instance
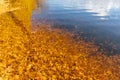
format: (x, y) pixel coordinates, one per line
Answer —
(94, 20)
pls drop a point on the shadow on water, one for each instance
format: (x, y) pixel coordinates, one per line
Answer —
(94, 20)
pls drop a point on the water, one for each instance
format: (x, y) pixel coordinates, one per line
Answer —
(93, 20)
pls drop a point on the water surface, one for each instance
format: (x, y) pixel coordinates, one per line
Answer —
(93, 20)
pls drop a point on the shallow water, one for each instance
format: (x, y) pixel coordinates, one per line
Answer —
(93, 20)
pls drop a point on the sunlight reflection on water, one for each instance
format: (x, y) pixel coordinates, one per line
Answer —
(97, 19)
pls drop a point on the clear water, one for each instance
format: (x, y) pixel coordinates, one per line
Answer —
(93, 20)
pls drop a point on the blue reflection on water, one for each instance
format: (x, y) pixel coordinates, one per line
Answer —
(99, 20)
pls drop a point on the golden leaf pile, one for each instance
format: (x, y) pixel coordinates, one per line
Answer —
(53, 54)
